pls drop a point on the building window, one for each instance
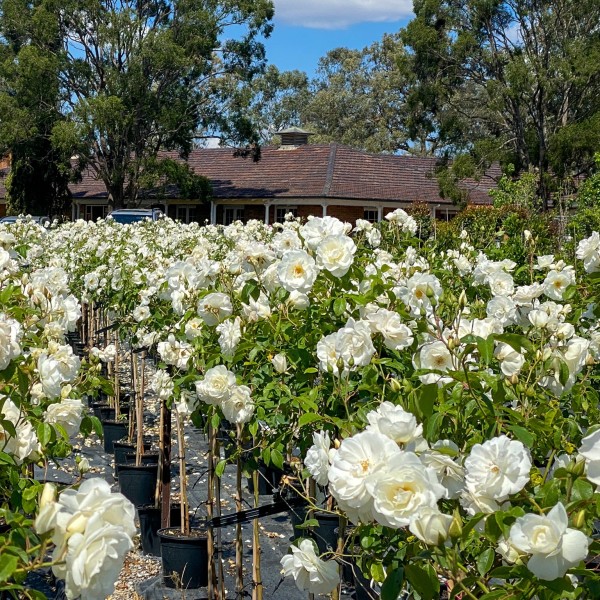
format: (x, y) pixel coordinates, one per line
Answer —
(186, 213)
(93, 212)
(371, 215)
(232, 213)
(281, 211)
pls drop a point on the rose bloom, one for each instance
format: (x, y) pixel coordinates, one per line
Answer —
(318, 228)
(214, 307)
(297, 271)
(68, 414)
(590, 450)
(311, 573)
(430, 525)
(25, 444)
(511, 361)
(193, 328)
(394, 422)
(402, 488)
(449, 472)
(335, 253)
(162, 384)
(57, 365)
(396, 335)
(588, 250)
(433, 356)
(354, 344)
(216, 385)
(554, 547)
(356, 462)
(238, 406)
(94, 560)
(497, 468)
(298, 301)
(279, 362)
(10, 339)
(318, 457)
(230, 334)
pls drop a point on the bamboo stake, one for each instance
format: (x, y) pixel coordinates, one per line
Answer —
(312, 492)
(337, 592)
(220, 575)
(239, 542)
(139, 416)
(185, 513)
(117, 391)
(257, 586)
(212, 576)
(165, 462)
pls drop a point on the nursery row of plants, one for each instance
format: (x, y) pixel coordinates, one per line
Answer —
(434, 403)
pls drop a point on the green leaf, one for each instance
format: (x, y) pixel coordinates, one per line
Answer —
(220, 468)
(496, 595)
(339, 306)
(426, 398)
(307, 418)
(424, 580)
(390, 590)
(8, 565)
(377, 572)
(485, 561)
(277, 458)
(486, 348)
(44, 433)
(523, 435)
(515, 341)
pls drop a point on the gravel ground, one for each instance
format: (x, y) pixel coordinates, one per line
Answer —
(140, 578)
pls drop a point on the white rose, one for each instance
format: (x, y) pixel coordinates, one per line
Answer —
(318, 456)
(279, 362)
(311, 573)
(238, 406)
(396, 335)
(590, 450)
(68, 414)
(230, 334)
(216, 385)
(588, 250)
(402, 488)
(497, 468)
(511, 361)
(298, 300)
(10, 340)
(214, 307)
(554, 547)
(394, 422)
(449, 472)
(94, 560)
(335, 253)
(297, 271)
(358, 459)
(430, 525)
(162, 384)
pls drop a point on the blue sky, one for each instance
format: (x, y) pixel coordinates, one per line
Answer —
(305, 30)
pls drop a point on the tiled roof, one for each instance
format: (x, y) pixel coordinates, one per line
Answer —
(313, 171)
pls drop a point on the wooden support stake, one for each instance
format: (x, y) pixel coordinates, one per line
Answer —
(239, 542)
(257, 586)
(165, 463)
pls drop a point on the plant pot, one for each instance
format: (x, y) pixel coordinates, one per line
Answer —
(107, 413)
(148, 458)
(123, 448)
(326, 533)
(184, 558)
(269, 479)
(150, 524)
(96, 406)
(138, 484)
(113, 431)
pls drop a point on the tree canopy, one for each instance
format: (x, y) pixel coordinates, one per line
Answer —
(136, 77)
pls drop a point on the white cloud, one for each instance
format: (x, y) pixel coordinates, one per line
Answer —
(337, 14)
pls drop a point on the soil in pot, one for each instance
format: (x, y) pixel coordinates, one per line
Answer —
(113, 431)
(138, 484)
(150, 524)
(184, 558)
(269, 479)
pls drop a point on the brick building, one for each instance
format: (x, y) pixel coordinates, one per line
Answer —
(304, 179)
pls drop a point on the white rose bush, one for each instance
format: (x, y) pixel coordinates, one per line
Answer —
(440, 394)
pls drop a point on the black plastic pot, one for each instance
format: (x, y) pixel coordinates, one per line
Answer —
(184, 559)
(138, 484)
(96, 406)
(269, 479)
(148, 458)
(325, 534)
(150, 524)
(113, 431)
